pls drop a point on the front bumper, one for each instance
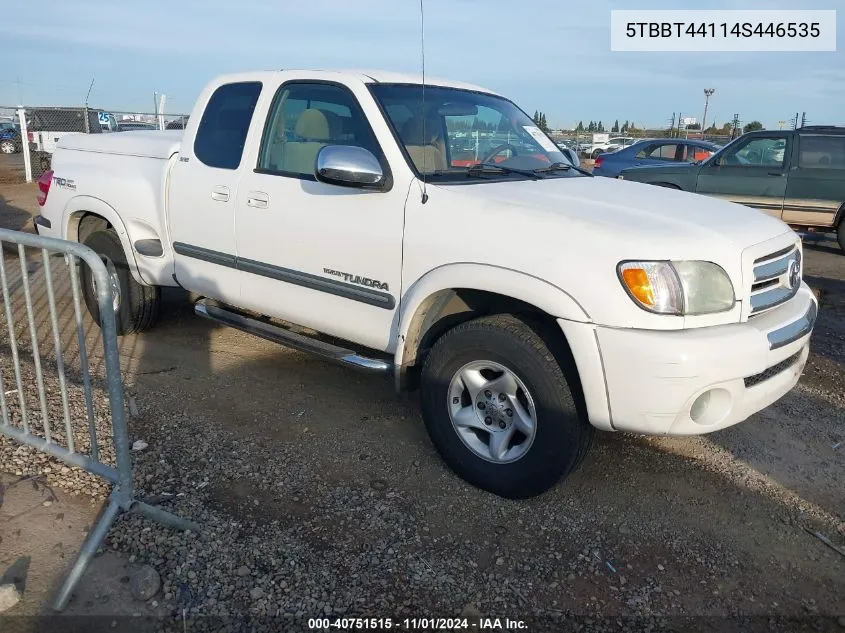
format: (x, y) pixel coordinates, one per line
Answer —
(655, 382)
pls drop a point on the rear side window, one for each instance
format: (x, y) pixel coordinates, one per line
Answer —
(822, 152)
(224, 125)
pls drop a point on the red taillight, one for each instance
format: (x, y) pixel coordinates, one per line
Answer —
(44, 187)
(30, 137)
(599, 161)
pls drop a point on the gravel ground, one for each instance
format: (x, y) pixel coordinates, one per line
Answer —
(320, 494)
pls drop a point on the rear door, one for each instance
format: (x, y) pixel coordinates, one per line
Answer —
(815, 187)
(203, 189)
(657, 153)
(752, 172)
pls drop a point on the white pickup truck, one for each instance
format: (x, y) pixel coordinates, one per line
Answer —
(529, 302)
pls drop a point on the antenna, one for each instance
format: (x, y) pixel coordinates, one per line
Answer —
(424, 113)
(88, 94)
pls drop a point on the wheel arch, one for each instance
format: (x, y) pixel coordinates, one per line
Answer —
(455, 293)
(81, 208)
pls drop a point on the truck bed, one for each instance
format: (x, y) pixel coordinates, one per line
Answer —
(143, 143)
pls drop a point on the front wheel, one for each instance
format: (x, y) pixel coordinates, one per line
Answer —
(501, 409)
(840, 234)
(135, 306)
(7, 147)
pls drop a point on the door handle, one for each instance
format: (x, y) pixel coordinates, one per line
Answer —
(777, 173)
(220, 193)
(257, 199)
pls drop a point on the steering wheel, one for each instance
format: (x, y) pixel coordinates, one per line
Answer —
(498, 150)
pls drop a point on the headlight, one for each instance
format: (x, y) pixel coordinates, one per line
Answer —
(620, 177)
(686, 287)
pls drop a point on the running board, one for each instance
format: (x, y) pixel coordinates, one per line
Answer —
(287, 338)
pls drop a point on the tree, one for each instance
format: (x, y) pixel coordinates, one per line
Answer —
(542, 124)
(615, 127)
(694, 126)
(580, 127)
(600, 127)
(753, 126)
(625, 127)
(536, 118)
(591, 127)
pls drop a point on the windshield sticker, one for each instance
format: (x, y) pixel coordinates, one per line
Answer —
(544, 141)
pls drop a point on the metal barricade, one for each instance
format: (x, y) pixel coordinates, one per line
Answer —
(27, 361)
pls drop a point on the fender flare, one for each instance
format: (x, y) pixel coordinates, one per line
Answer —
(423, 294)
(79, 205)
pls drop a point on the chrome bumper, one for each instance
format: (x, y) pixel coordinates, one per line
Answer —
(795, 330)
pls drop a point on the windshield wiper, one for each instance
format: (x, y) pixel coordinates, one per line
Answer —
(479, 168)
(561, 166)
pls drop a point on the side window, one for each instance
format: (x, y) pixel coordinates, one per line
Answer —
(224, 125)
(760, 151)
(304, 118)
(662, 151)
(693, 153)
(821, 152)
(666, 151)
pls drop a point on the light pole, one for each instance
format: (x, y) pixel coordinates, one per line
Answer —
(708, 92)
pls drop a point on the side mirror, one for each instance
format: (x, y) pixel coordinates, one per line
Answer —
(349, 166)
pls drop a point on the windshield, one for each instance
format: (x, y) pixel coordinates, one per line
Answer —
(458, 129)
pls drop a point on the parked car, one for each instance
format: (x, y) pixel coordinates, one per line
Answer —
(795, 175)
(528, 301)
(127, 126)
(45, 126)
(613, 143)
(653, 152)
(177, 124)
(10, 138)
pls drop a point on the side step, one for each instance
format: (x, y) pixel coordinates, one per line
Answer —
(280, 335)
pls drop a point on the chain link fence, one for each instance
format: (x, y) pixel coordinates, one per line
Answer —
(29, 135)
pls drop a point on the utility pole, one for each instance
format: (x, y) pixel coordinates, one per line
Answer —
(708, 92)
(672, 125)
(803, 119)
(795, 122)
(735, 126)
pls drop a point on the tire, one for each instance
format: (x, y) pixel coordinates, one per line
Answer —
(840, 234)
(562, 436)
(138, 305)
(596, 154)
(7, 147)
(667, 185)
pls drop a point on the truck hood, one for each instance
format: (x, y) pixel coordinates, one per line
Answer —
(147, 143)
(671, 218)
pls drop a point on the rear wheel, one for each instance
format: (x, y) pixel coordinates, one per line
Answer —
(840, 233)
(135, 306)
(7, 147)
(500, 407)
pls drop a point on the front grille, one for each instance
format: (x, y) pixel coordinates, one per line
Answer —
(773, 371)
(774, 279)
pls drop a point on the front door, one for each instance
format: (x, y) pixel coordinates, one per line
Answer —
(753, 172)
(323, 256)
(203, 188)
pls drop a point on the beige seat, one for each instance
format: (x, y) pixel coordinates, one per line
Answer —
(312, 134)
(425, 147)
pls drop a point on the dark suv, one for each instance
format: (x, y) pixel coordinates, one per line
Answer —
(796, 175)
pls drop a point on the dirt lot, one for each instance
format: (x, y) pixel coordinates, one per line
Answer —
(320, 493)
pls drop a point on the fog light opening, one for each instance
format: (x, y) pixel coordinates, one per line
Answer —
(711, 407)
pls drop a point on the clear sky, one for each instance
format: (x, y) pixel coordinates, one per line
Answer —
(551, 56)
